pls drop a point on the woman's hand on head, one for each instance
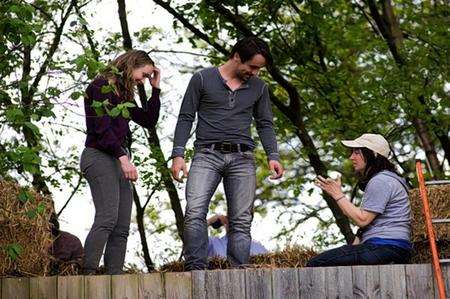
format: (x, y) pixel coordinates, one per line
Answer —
(155, 77)
(129, 170)
(330, 186)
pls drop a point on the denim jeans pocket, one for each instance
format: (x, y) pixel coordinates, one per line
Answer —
(248, 155)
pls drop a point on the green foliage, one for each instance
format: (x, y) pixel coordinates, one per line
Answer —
(25, 196)
(13, 251)
(105, 107)
(88, 63)
(346, 77)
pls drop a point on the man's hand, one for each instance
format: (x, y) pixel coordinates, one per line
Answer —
(129, 170)
(220, 217)
(178, 164)
(276, 169)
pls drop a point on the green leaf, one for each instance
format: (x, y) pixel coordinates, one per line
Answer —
(40, 208)
(14, 115)
(125, 113)
(75, 95)
(107, 89)
(14, 250)
(32, 214)
(24, 195)
(96, 104)
(32, 127)
(99, 111)
(114, 112)
(129, 104)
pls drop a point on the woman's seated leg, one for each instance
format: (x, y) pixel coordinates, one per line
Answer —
(361, 254)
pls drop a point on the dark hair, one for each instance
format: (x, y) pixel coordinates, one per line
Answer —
(249, 47)
(374, 164)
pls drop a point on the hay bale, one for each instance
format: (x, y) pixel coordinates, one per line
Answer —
(24, 230)
(422, 251)
(290, 257)
(439, 198)
(173, 266)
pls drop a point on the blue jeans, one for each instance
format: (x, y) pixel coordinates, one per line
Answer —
(361, 254)
(238, 173)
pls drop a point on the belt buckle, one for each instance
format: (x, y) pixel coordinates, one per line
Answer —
(225, 147)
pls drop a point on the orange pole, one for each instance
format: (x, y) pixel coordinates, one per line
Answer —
(430, 230)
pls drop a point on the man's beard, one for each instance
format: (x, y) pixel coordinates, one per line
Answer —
(243, 76)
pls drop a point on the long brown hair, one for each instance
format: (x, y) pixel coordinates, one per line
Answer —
(120, 70)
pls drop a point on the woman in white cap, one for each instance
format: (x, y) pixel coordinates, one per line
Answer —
(384, 215)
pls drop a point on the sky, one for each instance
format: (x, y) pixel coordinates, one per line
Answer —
(78, 216)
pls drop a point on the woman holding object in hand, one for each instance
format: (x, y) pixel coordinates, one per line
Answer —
(384, 215)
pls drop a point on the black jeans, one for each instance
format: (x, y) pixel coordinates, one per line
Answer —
(361, 254)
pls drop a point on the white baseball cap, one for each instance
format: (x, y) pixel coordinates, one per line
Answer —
(374, 142)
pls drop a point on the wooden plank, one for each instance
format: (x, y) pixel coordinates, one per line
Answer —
(177, 285)
(339, 280)
(198, 284)
(124, 286)
(97, 287)
(231, 284)
(15, 288)
(446, 275)
(366, 282)
(43, 287)
(392, 281)
(151, 286)
(70, 287)
(258, 283)
(419, 281)
(285, 283)
(312, 283)
(212, 284)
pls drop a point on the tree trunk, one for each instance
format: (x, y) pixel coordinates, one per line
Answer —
(390, 30)
(140, 213)
(428, 147)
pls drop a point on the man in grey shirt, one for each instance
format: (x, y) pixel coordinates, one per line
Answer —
(226, 99)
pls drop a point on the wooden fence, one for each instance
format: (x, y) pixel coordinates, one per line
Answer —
(387, 281)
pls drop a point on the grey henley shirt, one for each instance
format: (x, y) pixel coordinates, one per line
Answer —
(225, 115)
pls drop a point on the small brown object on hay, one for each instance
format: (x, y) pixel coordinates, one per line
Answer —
(290, 257)
(439, 198)
(24, 230)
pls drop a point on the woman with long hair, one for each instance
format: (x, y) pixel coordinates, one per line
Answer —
(384, 215)
(105, 162)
